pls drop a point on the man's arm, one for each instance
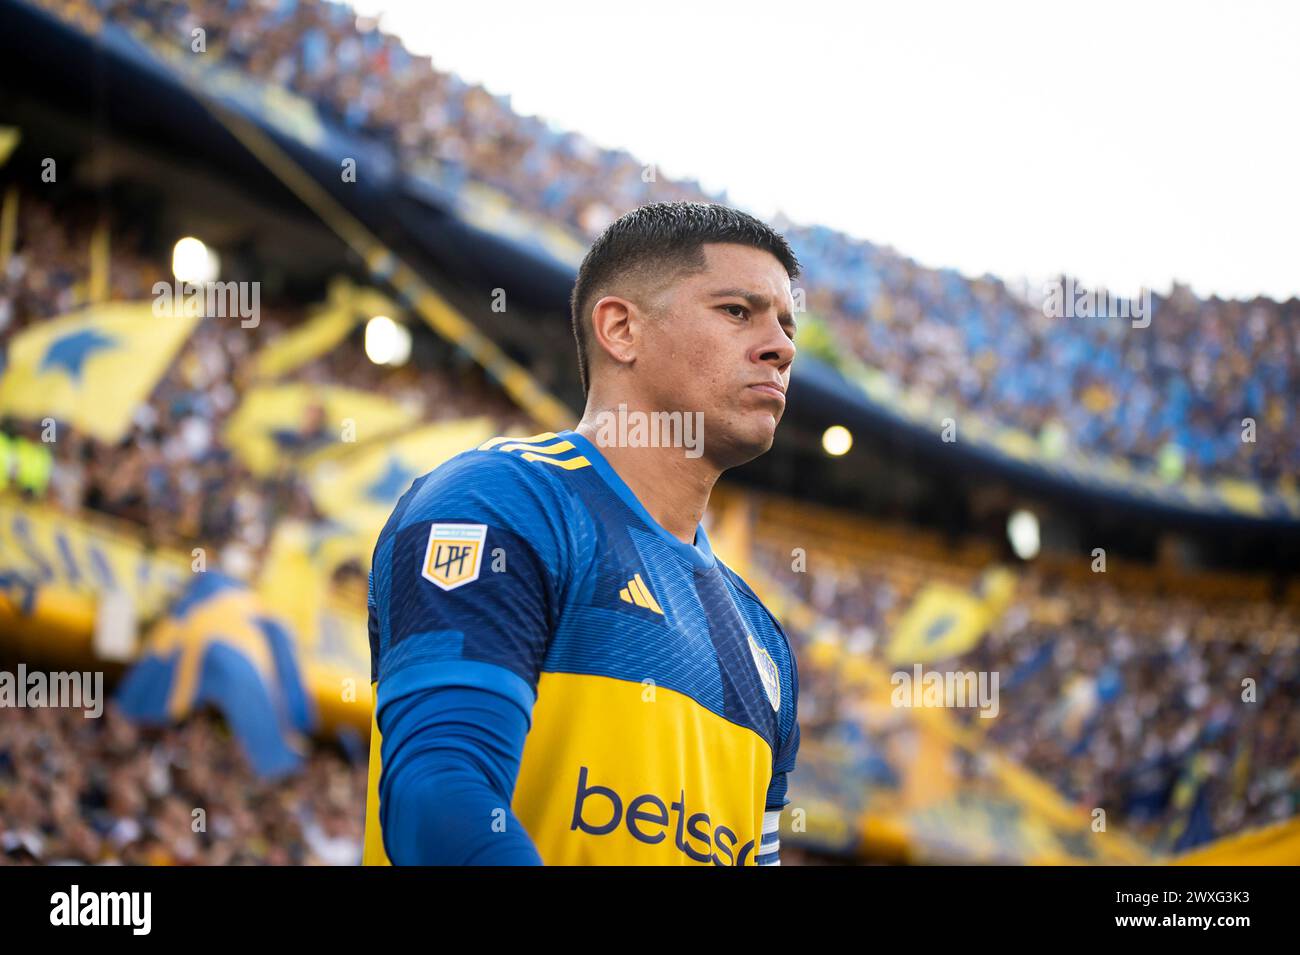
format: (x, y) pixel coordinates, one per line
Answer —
(464, 584)
(769, 850)
(451, 756)
(769, 847)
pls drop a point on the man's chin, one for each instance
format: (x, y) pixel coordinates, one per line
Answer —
(746, 443)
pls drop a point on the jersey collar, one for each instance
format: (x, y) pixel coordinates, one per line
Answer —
(700, 553)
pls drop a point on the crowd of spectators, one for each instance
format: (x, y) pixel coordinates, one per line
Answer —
(1168, 398)
(1132, 701)
(1118, 700)
(1127, 700)
(173, 474)
(105, 791)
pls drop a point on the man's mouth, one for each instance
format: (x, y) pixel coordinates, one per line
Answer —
(770, 388)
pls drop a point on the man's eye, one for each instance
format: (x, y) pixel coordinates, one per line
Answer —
(742, 308)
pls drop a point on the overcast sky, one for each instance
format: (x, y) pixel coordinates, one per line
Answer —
(1127, 143)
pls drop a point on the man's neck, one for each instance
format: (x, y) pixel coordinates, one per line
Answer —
(674, 488)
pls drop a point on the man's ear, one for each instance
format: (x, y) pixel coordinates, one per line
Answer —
(616, 328)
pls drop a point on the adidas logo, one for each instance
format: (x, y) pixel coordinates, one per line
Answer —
(636, 592)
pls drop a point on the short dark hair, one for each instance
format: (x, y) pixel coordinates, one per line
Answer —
(666, 238)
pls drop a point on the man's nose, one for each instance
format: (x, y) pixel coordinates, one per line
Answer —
(776, 348)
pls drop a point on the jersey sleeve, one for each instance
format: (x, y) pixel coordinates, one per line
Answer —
(783, 760)
(372, 626)
(783, 764)
(451, 757)
(468, 579)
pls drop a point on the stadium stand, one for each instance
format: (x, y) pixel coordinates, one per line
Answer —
(1113, 691)
(106, 792)
(1170, 402)
(1114, 694)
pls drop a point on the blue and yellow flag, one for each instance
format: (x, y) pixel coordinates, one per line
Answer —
(282, 425)
(216, 647)
(945, 621)
(1192, 822)
(1274, 844)
(358, 491)
(91, 368)
(329, 624)
(326, 326)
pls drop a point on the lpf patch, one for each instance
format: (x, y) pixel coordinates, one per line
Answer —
(454, 554)
(767, 672)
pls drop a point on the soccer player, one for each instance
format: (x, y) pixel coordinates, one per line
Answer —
(564, 672)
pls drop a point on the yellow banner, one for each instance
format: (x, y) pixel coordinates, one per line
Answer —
(326, 326)
(946, 621)
(41, 547)
(329, 627)
(1278, 844)
(55, 568)
(357, 492)
(92, 368)
(282, 425)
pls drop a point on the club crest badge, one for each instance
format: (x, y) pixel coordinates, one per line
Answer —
(767, 672)
(454, 555)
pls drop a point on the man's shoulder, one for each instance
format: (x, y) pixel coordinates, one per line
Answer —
(544, 458)
(742, 587)
(501, 483)
(769, 633)
(482, 467)
(747, 593)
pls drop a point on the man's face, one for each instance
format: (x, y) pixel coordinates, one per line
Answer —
(720, 342)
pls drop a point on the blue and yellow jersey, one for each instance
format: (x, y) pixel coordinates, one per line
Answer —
(662, 693)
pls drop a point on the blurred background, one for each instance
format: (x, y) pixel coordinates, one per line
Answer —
(262, 264)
